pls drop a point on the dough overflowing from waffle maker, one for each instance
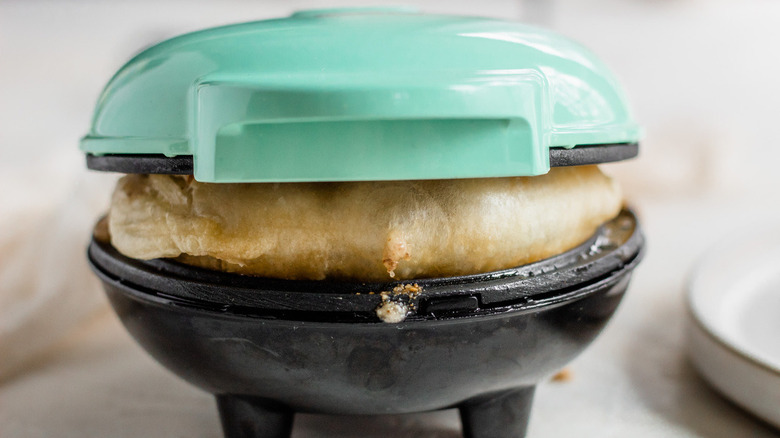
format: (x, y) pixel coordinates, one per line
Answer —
(366, 231)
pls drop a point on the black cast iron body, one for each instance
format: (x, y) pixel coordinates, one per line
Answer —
(268, 348)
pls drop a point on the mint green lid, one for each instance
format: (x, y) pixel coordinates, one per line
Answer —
(361, 94)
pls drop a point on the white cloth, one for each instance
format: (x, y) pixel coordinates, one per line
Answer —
(46, 287)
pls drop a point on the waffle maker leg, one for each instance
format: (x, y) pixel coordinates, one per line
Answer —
(501, 415)
(247, 417)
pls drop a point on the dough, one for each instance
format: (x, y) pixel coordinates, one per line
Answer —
(366, 231)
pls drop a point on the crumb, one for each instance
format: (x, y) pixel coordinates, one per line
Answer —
(396, 303)
(392, 311)
(410, 290)
(563, 375)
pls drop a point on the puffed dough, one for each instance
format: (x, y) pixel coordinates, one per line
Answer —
(367, 231)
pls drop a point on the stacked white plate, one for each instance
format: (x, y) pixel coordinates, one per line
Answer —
(734, 332)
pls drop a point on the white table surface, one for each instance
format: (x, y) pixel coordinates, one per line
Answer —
(635, 380)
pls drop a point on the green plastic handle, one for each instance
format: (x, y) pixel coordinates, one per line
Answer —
(383, 131)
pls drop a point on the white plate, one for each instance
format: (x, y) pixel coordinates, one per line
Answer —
(734, 332)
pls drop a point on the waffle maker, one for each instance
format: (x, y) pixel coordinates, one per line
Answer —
(357, 95)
